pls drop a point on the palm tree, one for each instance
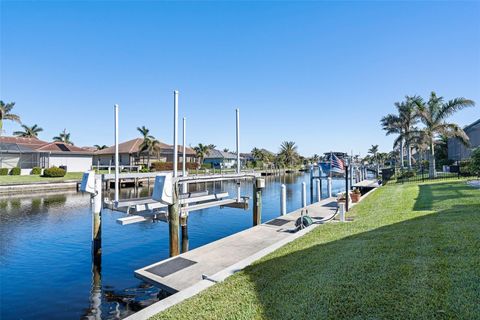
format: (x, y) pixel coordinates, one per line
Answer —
(149, 144)
(201, 152)
(315, 158)
(6, 113)
(433, 114)
(100, 147)
(288, 153)
(374, 152)
(64, 137)
(403, 124)
(226, 150)
(28, 132)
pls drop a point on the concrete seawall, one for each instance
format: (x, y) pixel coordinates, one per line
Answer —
(38, 186)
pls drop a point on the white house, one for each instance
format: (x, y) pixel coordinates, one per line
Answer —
(27, 153)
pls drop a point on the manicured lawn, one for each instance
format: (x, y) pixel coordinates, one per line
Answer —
(36, 178)
(412, 252)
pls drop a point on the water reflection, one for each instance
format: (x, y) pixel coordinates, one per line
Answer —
(46, 243)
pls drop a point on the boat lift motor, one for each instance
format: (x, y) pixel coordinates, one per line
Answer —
(88, 182)
(163, 188)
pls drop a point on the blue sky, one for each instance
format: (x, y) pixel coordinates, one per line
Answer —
(321, 74)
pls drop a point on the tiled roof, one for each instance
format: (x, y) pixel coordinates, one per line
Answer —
(36, 145)
(133, 146)
(218, 154)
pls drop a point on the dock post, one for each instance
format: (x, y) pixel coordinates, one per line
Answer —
(304, 194)
(175, 133)
(173, 223)
(329, 186)
(97, 222)
(258, 185)
(283, 200)
(341, 212)
(311, 183)
(319, 190)
(184, 226)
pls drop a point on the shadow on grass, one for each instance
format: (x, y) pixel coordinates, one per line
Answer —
(437, 193)
(419, 268)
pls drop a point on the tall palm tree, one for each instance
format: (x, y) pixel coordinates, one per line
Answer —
(28, 132)
(100, 147)
(201, 152)
(315, 158)
(6, 113)
(433, 114)
(374, 152)
(64, 137)
(149, 144)
(288, 152)
(403, 124)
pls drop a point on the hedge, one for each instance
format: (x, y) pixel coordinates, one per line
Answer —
(168, 166)
(3, 171)
(36, 170)
(54, 172)
(15, 171)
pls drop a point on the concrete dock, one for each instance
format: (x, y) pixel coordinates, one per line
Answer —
(183, 271)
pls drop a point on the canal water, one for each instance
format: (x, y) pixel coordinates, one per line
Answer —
(46, 267)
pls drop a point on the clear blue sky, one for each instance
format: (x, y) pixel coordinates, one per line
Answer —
(319, 73)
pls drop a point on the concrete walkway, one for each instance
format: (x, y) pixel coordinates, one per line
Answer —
(196, 270)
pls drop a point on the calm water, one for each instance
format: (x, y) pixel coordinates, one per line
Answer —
(46, 268)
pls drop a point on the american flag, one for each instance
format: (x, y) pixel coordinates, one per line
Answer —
(336, 164)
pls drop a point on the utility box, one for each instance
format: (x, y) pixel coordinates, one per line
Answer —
(88, 182)
(163, 189)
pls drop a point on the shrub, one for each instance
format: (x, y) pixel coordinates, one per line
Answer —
(144, 169)
(54, 172)
(3, 171)
(206, 166)
(466, 168)
(475, 162)
(15, 171)
(407, 174)
(168, 166)
(36, 170)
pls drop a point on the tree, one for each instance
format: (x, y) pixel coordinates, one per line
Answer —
(374, 152)
(403, 124)
(100, 147)
(315, 158)
(149, 144)
(64, 137)
(6, 113)
(28, 132)
(226, 150)
(201, 151)
(434, 114)
(288, 153)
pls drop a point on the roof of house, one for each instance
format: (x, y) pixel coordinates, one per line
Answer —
(472, 125)
(133, 146)
(22, 145)
(218, 154)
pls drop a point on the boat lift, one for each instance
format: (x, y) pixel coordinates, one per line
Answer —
(168, 203)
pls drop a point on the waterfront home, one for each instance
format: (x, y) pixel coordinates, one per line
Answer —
(457, 150)
(131, 155)
(222, 159)
(27, 153)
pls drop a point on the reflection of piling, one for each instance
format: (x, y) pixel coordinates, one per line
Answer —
(97, 221)
(96, 291)
(283, 200)
(319, 189)
(173, 221)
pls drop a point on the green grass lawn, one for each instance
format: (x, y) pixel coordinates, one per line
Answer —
(412, 252)
(37, 178)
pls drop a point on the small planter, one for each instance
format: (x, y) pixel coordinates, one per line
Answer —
(355, 197)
